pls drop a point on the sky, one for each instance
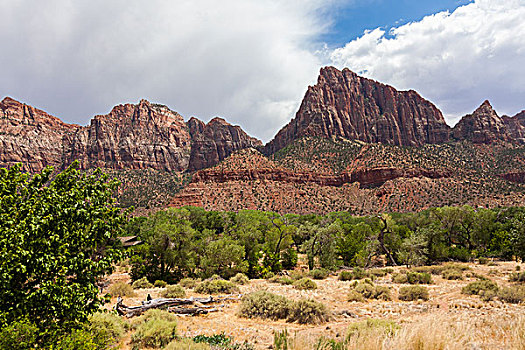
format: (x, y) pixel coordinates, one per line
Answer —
(251, 61)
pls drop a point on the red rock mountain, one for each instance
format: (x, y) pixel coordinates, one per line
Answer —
(141, 136)
(516, 126)
(343, 104)
(213, 142)
(482, 126)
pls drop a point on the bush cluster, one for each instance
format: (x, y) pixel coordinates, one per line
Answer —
(319, 274)
(356, 274)
(174, 291)
(452, 274)
(121, 288)
(155, 329)
(305, 284)
(410, 293)
(142, 283)
(474, 288)
(240, 278)
(266, 305)
(216, 286)
(517, 277)
(514, 294)
(367, 290)
(412, 277)
(160, 284)
(188, 282)
(281, 280)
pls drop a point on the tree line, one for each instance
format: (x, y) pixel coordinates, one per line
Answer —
(192, 242)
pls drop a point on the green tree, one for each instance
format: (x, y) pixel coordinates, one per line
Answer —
(57, 238)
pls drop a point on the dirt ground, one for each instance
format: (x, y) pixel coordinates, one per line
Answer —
(445, 300)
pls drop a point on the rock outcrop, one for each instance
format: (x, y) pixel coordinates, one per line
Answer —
(516, 126)
(32, 136)
(213, 142)
(131, 136)
(343, 104)
(482, 126)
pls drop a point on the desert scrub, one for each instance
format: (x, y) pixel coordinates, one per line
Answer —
(240, 278)
(381, 272)
(517, 277)
(369, 291)
(354, 295)
(174, 291)
(474, 288)
(160, 284)
(297, 275)
(305, 284)
(281, 280)
(121, 289)
(155, 329)
(265, 305)
(188, 282)
(355, 274)
(308, 312)
(513, 294)
(434, 269)
(452, 274)
(216, 287)
(319, 274)
(142, 283)
(419, 278)
(399, 278)
(107, 327)
(187, 344)
(363, 327)
(410, 293)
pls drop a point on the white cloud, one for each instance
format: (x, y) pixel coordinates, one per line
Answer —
(249, 61)
(456, 60)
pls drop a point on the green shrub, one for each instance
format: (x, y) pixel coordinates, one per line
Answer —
(216, 287)
(20, 335)
(155, 329)
(517, 277)
(482, 260)
(107, 328)
(380, 272)
(305, 284)
(419, 278)
(487, 295)
(262, 304)
(358, 273)
(240, 278)
(174, 291)
(188, 282)
(319, 274)
(399, 278)
(296, 275)
(434, 269)
(459, 253)
(142, 283)
(346, 276)
(78, 339)
(281, 280)
(474, 288)
(452, 274)
(363, 327)
(122, 289)
(410, 293)
(308, 312)
(370, 291)
(187, 344)
(518, 267)
(220, 339)
(354, 295)
(492, 263)
(514, 294)
(160, 284)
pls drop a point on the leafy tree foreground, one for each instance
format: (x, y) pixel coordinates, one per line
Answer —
(57, 238)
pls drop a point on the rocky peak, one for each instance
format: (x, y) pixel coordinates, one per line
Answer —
(215, 141)
(343, 104)
(482, 126)
(516, 126)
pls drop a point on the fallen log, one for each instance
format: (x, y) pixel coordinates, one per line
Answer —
(192, 310)
(164, 303)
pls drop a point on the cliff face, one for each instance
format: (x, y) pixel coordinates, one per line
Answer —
(134, 137)
(482, 126)
(343, 104)
(141, 136)
(32, 136)
(213, 142)
(516, 126)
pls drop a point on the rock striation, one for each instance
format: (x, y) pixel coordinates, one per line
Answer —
(213, 142)
(343, 104)
(482, 126)
(131, 136)
(32, 136)
(516, 126)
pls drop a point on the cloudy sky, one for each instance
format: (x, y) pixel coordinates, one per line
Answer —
(250, 61)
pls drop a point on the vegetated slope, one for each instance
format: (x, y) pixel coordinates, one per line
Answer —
(318, 175)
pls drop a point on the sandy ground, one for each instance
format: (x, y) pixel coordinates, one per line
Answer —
(445, 299)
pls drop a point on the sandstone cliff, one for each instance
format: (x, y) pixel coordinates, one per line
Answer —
(516, 126)
(343, 104)
(213, 142)
(482, 126)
